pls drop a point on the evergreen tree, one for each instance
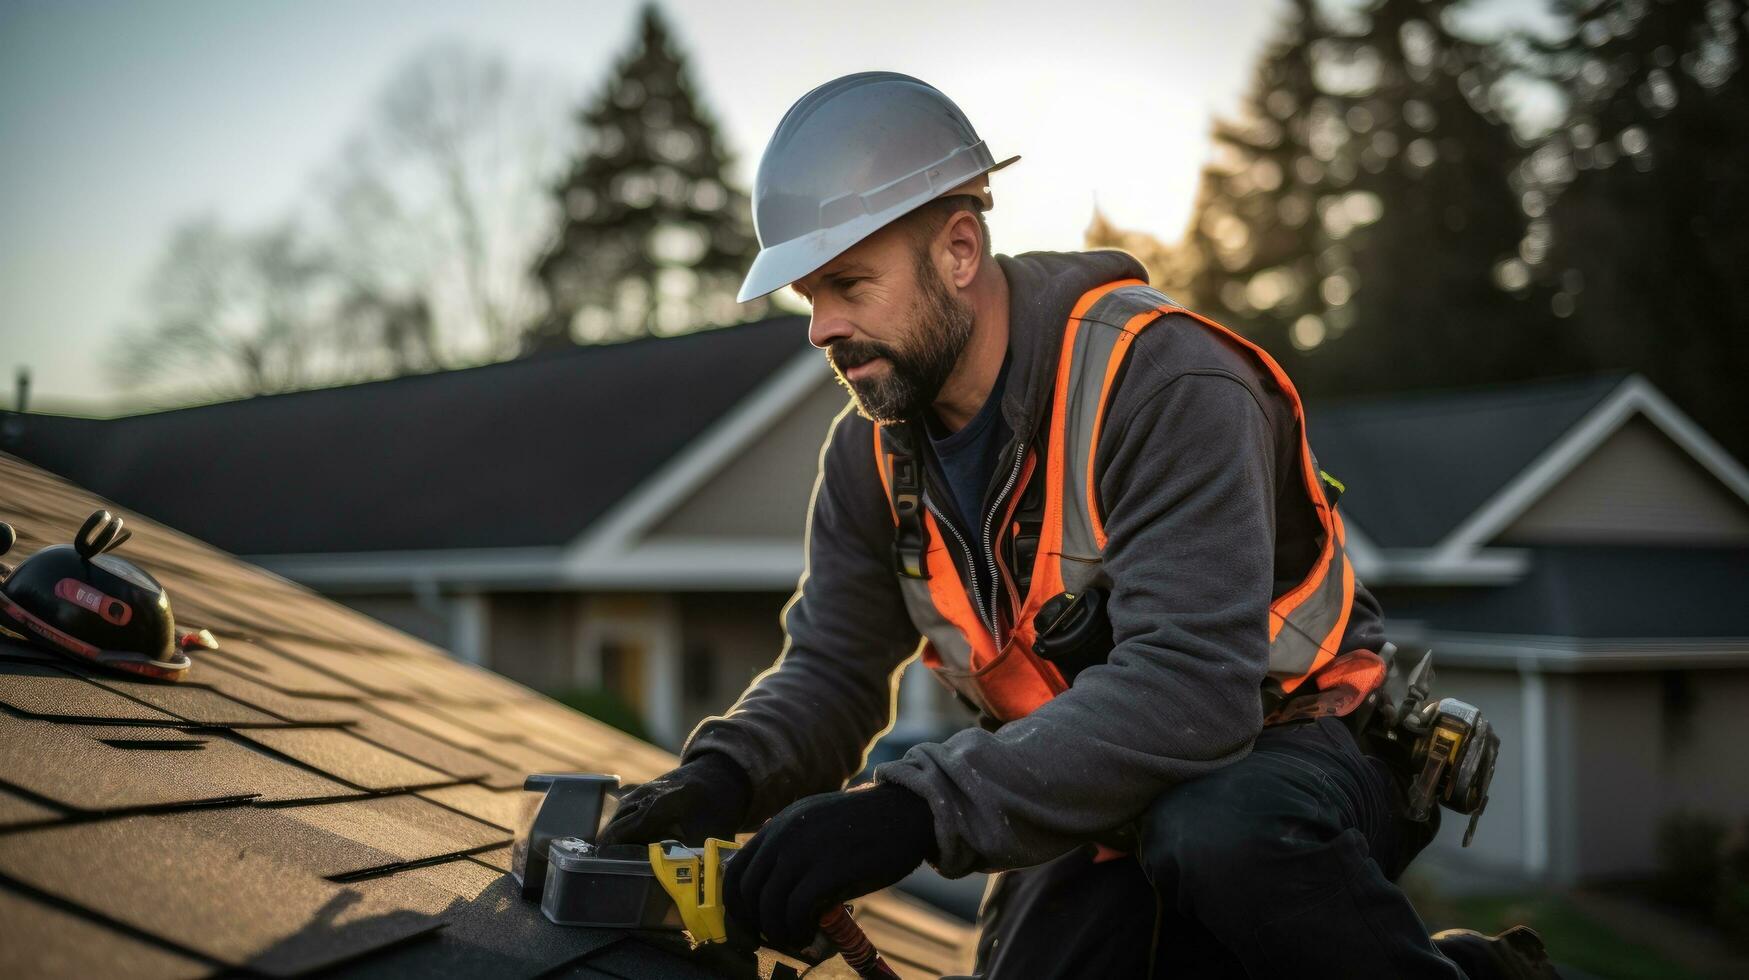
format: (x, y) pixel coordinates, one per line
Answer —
(1254, 242)
(1430, 272)
(1642, 198)
(654, 238)
(1359, 207)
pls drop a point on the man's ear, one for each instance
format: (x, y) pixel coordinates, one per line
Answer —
(963, 240)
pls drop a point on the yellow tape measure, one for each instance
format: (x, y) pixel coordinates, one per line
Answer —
(694, 879)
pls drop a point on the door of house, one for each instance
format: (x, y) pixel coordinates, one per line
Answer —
(630, 646)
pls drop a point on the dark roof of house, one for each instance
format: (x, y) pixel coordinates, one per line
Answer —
(427, 461)
(323, 793)
(1597, 592)
(424, 461)
(1417, 464)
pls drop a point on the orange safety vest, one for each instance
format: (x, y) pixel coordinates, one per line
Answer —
(1306, 624)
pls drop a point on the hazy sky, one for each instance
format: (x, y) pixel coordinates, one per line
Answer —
(119, 119)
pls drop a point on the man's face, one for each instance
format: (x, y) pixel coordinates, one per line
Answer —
(890, 328)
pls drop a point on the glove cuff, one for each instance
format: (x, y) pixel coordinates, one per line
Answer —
(906, 815)
(729, 786)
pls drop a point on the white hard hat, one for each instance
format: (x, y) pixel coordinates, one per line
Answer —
(849, 157)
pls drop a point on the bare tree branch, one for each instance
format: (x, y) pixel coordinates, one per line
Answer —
(229, 313)
(439, 198)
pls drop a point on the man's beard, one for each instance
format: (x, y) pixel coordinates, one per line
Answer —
(940, 328)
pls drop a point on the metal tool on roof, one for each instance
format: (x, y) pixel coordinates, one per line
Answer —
(566, 802)
(662, 886)
(613, 887)
(78, 599)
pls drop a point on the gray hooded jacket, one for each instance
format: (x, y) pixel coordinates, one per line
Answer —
(1206, 524)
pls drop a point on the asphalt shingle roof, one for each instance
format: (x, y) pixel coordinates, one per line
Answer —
(553, 434)
(323, 793)
(1417, 464)
(567, 434)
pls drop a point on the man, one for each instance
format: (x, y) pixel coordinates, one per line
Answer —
(1045, 448)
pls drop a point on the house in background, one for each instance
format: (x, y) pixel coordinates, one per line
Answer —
(631, 517)
(623, 517)
(1577, 557)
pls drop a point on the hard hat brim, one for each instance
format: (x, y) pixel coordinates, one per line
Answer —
(783, 263)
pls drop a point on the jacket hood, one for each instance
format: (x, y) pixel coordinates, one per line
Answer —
(1042, 290)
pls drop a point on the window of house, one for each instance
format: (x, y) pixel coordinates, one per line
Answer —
(622, 668)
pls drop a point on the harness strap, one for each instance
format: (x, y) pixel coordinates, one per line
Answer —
(904, 479)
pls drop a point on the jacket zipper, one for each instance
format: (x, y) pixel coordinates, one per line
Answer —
(989, 546)
(965, 549)
(988, 617)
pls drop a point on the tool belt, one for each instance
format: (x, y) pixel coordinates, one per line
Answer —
(1441, 751)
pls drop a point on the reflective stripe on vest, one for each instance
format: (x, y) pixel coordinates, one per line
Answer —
(1306, 623)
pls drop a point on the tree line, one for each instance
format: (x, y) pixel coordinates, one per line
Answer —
(1380, 212)
(470, 219)
(1379, 218)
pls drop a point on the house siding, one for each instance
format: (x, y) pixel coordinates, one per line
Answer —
(763, 493)
(1638, 487)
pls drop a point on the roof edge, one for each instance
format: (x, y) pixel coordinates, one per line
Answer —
(705, 565)
(1635, 395)
(616, 532)
(1427, 566)
(360, 571)
(577, 350)
(1532, 653)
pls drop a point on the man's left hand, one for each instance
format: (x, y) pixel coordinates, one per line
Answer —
(821, 851)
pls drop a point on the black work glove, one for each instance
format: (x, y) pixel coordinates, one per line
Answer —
(822, 851)
(707, 797)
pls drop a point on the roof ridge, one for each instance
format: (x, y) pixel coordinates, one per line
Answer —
(1600, 383)
(576, 351)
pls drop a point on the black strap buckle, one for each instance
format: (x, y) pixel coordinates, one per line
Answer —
(911, 537)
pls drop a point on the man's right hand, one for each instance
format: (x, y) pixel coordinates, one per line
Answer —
(707, 797)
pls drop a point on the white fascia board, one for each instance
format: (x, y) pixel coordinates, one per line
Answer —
(608, 555)
(1374, 565)
(616, 533)
(353, 572)
(1426, 566)
(718, 564)
(1572, 655)
(1634, 396)
(713, 565)
(1542, 474)
(1683, 430)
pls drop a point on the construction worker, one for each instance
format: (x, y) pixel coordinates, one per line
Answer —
(1098, 516)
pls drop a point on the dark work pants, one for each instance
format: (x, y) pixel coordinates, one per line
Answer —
(1281, 864)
